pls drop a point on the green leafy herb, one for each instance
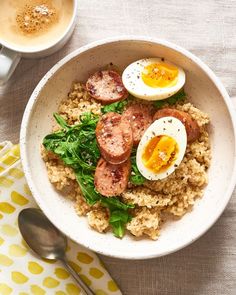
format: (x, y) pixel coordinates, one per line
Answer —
(119, 214)
(116, 107)
(179, 96)
(86, 183)
(77, 147)
(136, 177)
(118, 220)
(61, 122)
(114, 204)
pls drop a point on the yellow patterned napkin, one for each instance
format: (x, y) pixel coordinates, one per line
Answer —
(22, 272)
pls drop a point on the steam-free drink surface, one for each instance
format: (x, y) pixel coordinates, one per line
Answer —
(35, 23)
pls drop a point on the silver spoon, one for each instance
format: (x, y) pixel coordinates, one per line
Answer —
(46, 240)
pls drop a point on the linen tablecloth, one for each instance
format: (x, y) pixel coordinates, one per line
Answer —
(207, 29)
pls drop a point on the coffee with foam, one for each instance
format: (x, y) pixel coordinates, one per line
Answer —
(34, 23)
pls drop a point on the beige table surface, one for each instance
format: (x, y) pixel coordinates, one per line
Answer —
(206, 28)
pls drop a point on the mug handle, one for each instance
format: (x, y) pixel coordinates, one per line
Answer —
(9, 59)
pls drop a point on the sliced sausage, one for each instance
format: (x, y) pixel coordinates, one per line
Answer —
(106, 86)
(140, 117)
(191, 126)
(114, 137)
(111, 180)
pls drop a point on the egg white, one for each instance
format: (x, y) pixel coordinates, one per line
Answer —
(133, 82)
(169, 126)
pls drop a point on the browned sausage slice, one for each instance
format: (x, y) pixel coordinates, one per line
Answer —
(192, 128)
(111, 180)
(114, 137)
(140, 117)
(106, 86)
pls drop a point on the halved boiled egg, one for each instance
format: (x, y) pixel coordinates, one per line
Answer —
(162, 148)
(153, 78)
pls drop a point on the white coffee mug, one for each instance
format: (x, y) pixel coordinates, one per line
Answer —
(10, 55)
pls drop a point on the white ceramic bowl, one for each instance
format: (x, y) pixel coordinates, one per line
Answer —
(206, 92)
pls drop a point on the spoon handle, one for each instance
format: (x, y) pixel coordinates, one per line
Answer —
(78, 279)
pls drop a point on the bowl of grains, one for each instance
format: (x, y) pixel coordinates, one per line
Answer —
(128, 147)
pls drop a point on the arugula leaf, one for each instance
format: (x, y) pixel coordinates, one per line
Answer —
(119, 215)
(89, 119)
(179, 96)
(86, 183)
(136, 177)
(114, 203)
(51, 141)
(77, 147)
(116, 107)
(118, 220)
(61, 121)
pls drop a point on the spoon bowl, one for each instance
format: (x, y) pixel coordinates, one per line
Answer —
(41, 235)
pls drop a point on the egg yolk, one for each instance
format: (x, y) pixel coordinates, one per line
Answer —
(160, 75)
(159, 153)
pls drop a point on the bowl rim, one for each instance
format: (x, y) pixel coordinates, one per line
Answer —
(34, 97)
